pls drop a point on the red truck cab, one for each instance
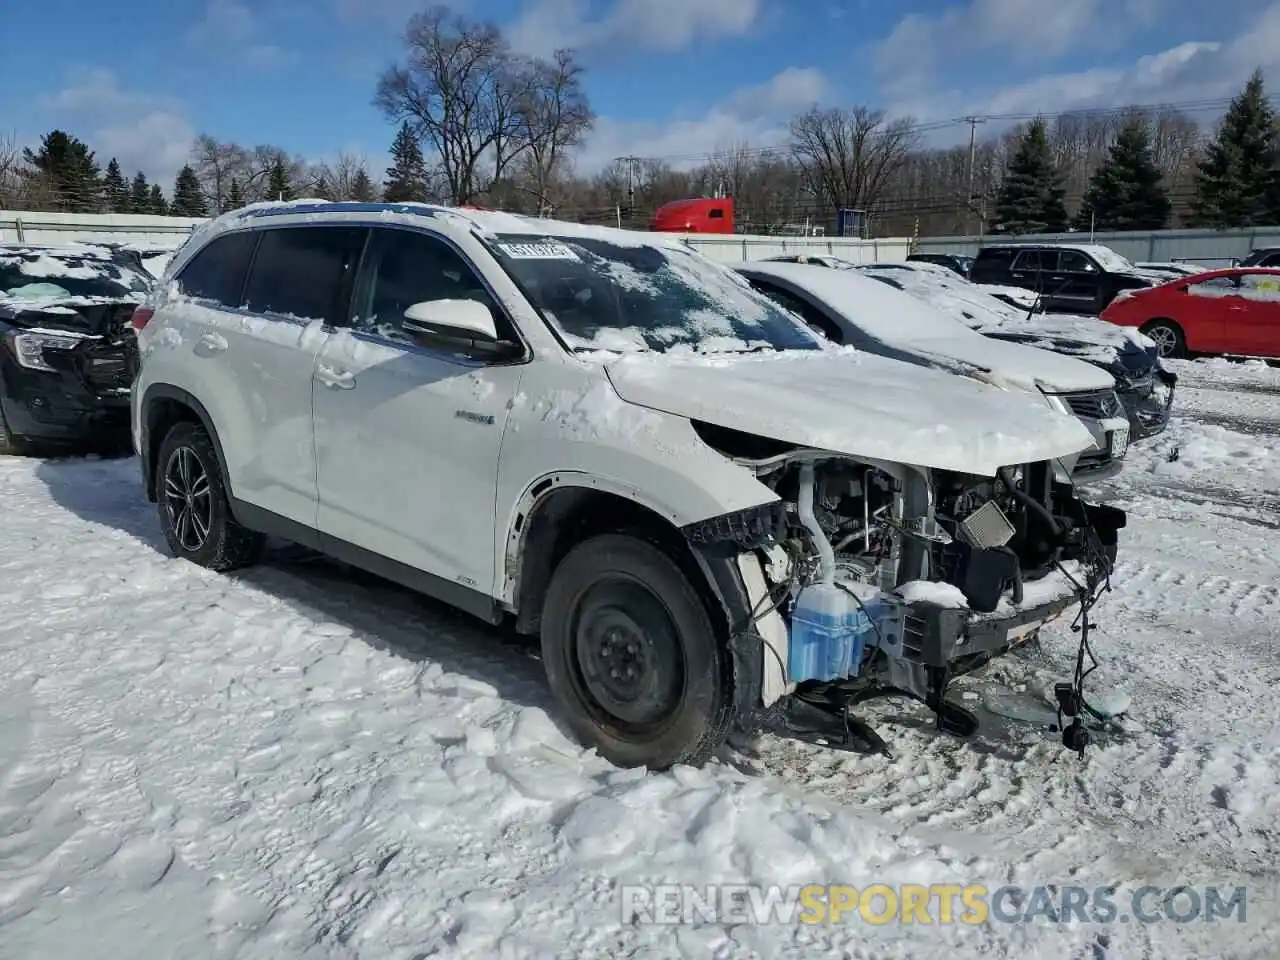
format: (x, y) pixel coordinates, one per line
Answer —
(699, 215)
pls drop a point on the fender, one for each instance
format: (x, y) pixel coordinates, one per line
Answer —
(164, 391)
(511, 547)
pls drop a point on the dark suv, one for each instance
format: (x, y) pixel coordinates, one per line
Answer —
(1076, 278)
(67, 352)
(1262, 257)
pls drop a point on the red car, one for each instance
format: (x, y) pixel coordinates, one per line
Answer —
(1234, 311)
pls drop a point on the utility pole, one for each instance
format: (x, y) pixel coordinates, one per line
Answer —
(973, 147)
(631, 180)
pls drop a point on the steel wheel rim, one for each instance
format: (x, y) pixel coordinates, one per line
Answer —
(1164, 338)
(634, 626)
(188, 499)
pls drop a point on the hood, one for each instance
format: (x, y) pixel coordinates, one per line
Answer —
(96, 316)
(1020, 364)
(1084, 338)
(1152, 277)
(853, 403)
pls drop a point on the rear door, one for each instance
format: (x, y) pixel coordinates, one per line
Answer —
(1255, 327)
(254, 354)
(1027, 270)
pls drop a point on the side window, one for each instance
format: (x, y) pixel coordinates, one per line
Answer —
(301, 272)
(1073, 261)
(217, 272)
(1270, 260)
(1035, 260)
(1217, 287)
(815, 319)
(403, 267)
(996, 258)
(1260, 286)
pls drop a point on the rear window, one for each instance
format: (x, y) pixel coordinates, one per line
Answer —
(217, 272)
(301, 272)
(995, 256)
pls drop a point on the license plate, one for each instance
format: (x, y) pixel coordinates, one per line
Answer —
(1119, 442)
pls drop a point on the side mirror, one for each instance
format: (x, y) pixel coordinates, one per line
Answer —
(464, 319)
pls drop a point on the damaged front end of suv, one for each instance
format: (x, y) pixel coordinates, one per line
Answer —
(868, 578)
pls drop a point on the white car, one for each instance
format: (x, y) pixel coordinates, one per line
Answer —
(1143, 384)
(849, 307)
(604, 438)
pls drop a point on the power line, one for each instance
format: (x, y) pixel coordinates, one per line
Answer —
(1204, 105)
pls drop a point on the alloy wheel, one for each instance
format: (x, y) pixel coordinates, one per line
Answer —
(1166, 340)
(188, 498)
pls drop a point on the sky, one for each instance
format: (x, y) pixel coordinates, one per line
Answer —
(677, 79)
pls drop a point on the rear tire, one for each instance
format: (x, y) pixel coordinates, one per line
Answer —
(1169, 338)
(195, 515)
(633, 658)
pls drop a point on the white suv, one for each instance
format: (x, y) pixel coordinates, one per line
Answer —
(605, 438)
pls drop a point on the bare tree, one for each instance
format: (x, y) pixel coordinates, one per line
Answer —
(848, 156)
(554, 116)
(10, 182)
(456, 90)
(342, 174)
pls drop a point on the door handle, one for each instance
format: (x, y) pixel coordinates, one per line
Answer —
(335, 379)
(211, 344)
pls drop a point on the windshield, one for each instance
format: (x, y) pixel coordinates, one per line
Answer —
(49, 275)
(606, 295)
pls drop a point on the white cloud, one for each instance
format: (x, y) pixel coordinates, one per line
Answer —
(662, 25)
(144, 131)
(1014, 31)
(394, 12)
(757, 115)
(1200, 74)
(230, 28)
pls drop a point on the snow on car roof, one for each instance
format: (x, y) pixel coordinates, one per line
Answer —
(488, 223)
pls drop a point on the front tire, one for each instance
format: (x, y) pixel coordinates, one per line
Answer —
(1170, 341)
(632, 656)
(9, 444)
(192, 497)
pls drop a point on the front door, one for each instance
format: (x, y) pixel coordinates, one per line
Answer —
(1078, 281)
(1255, 326)
(408, 431)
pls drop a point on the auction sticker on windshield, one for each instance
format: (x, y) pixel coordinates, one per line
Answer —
(541, 250)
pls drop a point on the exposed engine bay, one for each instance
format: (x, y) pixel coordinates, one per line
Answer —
(893, 579)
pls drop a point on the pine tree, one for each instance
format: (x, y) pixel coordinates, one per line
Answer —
(156, 203)
(188, 200)
(278, 185)
(407, 175)
(1031, 194)
(139, 194)
(115, 192)
(1125, 192)
(321, 188)
(1236, 183)
(235, 196)
(67, 168)
(362, 190)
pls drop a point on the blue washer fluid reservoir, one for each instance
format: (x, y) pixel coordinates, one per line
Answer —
(828, 633)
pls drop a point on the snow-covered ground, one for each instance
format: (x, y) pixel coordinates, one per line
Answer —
(301, 761)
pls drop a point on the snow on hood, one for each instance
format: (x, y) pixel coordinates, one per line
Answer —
(853, 403)
(931, 328)
(973, 304)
